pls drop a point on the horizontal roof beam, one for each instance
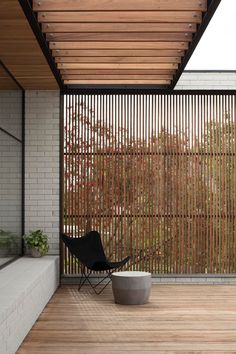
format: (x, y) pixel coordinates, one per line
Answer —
(119, 5)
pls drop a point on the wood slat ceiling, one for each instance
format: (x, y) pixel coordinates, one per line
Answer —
(119, 41)
(20, 51)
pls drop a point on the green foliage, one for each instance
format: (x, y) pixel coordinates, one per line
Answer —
(38, 240)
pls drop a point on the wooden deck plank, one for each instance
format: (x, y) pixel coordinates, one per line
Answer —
(178, 319)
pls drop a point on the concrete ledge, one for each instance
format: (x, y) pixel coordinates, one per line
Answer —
(26, 286)
(170, 279)
(204, 279)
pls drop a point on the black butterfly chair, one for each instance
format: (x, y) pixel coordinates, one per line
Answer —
(89, 251)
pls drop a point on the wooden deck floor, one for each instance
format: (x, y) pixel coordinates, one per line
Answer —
(178, 319)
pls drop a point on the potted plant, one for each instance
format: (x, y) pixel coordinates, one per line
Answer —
(36, 243)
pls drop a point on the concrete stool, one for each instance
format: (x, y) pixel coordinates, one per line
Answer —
(131, 288)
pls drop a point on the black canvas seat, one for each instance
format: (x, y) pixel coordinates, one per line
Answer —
(89, 251)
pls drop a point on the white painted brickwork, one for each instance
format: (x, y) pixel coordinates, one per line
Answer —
(207, 81)
(26, 286)
(42, 123)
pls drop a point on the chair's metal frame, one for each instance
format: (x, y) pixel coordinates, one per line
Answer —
(86, 277)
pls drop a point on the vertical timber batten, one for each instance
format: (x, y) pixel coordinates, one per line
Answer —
(155, 174)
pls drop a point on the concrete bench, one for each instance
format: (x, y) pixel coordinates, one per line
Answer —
(26, 286)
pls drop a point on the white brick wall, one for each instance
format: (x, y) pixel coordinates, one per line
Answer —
(42, 132)
(25, 288)
(190, 80)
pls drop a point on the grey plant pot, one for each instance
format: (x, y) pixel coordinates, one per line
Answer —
(34, 253)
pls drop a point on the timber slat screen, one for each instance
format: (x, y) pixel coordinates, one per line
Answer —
(155, 174)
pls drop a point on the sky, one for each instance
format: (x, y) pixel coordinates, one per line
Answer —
(217, 47)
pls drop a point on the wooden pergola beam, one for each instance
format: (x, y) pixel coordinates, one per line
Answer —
(119, 5)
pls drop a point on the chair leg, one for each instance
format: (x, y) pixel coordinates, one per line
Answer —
(85, 277)
(101, 290)
(109, 273)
